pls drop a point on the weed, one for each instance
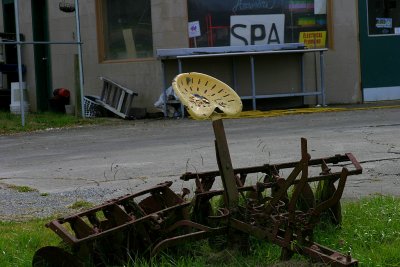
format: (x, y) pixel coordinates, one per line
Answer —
(80, 204)
(22, 188)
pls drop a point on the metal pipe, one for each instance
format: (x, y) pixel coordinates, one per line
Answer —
(302, 85)
(79, 44)
(234, 72)
(322, 72)
(282, 95)
(164, 89)
(253, 83)
(246, 53)
(38, 43)
(180, 69)
(179, 66)
(21, 91)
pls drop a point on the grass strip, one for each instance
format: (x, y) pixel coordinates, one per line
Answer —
(11, 123)
(370, 231)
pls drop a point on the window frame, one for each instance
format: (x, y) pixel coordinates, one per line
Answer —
(328, 28)
(368, 26)
(101, 40)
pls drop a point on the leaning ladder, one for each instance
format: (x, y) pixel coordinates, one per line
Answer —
(116, 98)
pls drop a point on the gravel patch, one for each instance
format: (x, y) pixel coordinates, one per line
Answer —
(20, 206)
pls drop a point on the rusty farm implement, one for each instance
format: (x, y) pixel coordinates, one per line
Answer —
(281, 207)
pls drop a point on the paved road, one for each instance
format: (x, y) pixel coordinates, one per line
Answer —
(137, 154)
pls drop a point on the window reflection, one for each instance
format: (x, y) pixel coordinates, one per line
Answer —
(127, 29)
(384, 17)
(243, 22)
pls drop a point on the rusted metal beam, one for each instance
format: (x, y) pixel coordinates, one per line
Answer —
(269, 168)
(225, 165)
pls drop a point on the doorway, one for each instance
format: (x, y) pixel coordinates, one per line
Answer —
(379, 49)
(41, 53)
(10, 51)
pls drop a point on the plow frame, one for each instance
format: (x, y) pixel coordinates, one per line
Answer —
(158, 218)
(277, 217)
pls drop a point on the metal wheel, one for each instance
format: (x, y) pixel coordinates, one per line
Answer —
(54, 257)
(286, 254)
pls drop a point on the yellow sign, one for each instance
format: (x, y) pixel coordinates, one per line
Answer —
(313, 39)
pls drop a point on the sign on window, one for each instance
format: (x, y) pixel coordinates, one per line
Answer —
(257, 29)
(313, 39)
(247, 22)
(384, 23)
(383, 16)
(194, 29)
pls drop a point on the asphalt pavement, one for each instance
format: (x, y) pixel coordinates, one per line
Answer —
(134, 155)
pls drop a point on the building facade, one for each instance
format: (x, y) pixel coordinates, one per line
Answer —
(121, 39)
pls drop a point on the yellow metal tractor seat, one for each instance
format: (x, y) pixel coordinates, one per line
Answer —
(204, 95)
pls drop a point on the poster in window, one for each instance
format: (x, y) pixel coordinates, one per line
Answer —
(194, 29)
(316, 39)
(215, 20)
(320, 7)
(384, 23)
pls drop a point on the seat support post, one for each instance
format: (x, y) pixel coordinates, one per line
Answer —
(231, 194)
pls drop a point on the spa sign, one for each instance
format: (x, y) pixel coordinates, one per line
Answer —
(257, 29)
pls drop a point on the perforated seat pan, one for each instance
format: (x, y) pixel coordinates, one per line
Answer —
(204, 95)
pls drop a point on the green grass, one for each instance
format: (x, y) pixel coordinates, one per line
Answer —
(19, 241)
(370, 230)
(10, 123)
(80, 204)
(22, 188)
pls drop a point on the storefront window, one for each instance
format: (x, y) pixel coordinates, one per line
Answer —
(126, 29)
(383, 17)
(254, 22)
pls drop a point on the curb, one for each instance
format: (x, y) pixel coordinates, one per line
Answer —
(276, 113)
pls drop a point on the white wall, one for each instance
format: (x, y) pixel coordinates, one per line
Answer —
(343, 76)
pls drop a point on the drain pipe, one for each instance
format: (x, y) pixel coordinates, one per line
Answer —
(79, 43)
(18, 39)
